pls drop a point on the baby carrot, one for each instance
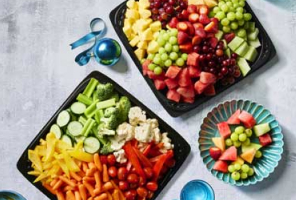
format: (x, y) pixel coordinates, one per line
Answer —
(49, 188)
(68, 187)
(90, 172)
(89, 188)
(82, 191)
(105, 173)
(89, 179)
(77, 195)
(60, 195)
(101, 197)
(57, 185)
(109, 196)
(75, 176)
(115, 195)
(90, 198)
(97, 191)
(98, 162)
(70, 195)
(67, 181)
(98, 180)
(53, 182)
(91, 165)
(108, 186)
(81, 173)
(84, 167)
(117, 188)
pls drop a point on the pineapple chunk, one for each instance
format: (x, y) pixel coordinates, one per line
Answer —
(155, 26)
(211, 3)
(144, 13)
(155, 35)
(152, 47)
(144, 4)
(140, 53)
(132, 4)
(133, 14)
(128, 21)
(142, 45)
(134, 41)
(143, 24)
(196, 2)
(127, 31)
(146, 35)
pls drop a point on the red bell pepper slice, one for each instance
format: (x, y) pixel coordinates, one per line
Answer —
(147, 150)
(132, 157)
(143, 159)
(160, 163)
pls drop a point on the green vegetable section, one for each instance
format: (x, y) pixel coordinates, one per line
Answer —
(93, 118)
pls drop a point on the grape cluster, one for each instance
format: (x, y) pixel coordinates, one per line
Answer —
(164, 10)
(239, 171)
(214, 60)
(239, 136)
(232, 15)
(168, 54)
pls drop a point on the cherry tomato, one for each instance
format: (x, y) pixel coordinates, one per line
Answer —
(122, 173)
(112, 171)
(123, 185)
(130, 195)
(132, 178)
(152, 186)
(133, 170)
(133, 185)
(141, 181)
(170, 163)
(142, 192)
(111, 159)
(148, 172)
(103, 159)
(150, 194)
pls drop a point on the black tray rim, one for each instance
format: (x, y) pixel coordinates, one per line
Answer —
(177, 139)
(267, 53)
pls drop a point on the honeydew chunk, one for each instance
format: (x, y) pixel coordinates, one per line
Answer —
(219, 35)
(227, 52)
(144, 13)
(251, 54)
(132, 13)
(144, 4)
(127, 31)
(252, 26)
(225, 44)
(211, 3)
(140, 53)
(235, 43)
(246, 148)
(253, 35)
(132, 4)
(153, 47)
(242, 49)
(146, 35)
(134, 41)
(256, 43)
(142, 45)
(244, 66)
(155, 26)
(261, 129)
(196, 2)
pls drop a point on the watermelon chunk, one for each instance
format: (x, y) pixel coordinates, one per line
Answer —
(219, 142)
(184, 79)
(234, 118)
(249, 155)
(210, 90)
(173, 95)
(229, 154)
(145, 66)
(194, 72)
(153, 76)
(172, 72)
(200, 87)
(265, 139)
(221, 166)
(224, 129)
(159, 84)
(207, 78)
(247, 119)
(186, 92)
(188, 100)
(193, 59)
(171, 83)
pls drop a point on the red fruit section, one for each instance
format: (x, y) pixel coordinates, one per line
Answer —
(200, 87)
(234, 120)
(171, 83)
(194, 72)
(207, 78)
(172, 72)
(159, 84)
(265, 139)
(184, 78)
(224, 129)
(145, 66)
(210, 90)
(173, 95)
(193, 59)
(215, 152)
(229, 154)
(247, 119)
(221, 166)
(186, 92)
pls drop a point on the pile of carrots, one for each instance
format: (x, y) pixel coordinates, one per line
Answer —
(92, 182)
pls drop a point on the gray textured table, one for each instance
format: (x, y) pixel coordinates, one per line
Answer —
(37, 73)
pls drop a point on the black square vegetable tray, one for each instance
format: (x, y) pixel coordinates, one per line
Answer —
(181, 147)
(265, 53)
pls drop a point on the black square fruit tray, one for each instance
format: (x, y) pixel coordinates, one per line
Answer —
(181, 147)
(265, 53)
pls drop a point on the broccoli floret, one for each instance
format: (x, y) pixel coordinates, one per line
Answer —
(115, 96)
(123, 106)
(106, 149)
(110, 118)
(111, 111)
(104, 91)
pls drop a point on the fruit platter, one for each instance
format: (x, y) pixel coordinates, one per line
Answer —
(240, 142)
(103, 144)
(189, 51)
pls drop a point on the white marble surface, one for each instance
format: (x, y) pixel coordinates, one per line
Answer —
(38, 72)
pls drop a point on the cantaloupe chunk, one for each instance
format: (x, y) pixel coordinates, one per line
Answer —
(249, 155)
(219, 142)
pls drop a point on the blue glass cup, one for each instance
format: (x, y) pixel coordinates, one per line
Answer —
(10, 195)
(197, 190)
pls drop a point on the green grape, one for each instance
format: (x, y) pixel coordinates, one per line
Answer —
(233, 25)
(150, 56)
(220, 15)
(239, 15)
(258, 154)
(166, 36)
(235, 176)
(180, 62)
(157, 59)
(212, 14)
(164, 56)
(162, 31)
(142, 60)
(225, 22)
(246, 26)
(226, 29)
(228, 142)
(173, 40)
(151, 66)
(173, 56)
(229, 4)
(231, 16)
(160, 41)
(234, 137)
(241, 33)
(221, 3)
(176, 48)
(245, 168)
(216, 9)
(247, 142)
(242, 137)
(239, 129)
(251, 172)
(232, 9)
(237, 144)
(247, 16)
(224, 8)
(249, 132)
(161, 50)
(237, 166)
(243, 175)
(240, 9)
(174, 32)
(168, 63)
(184, 56)
(242, 3)
(161, 64)
(241, 22)
(168, 47)
(234, 1)
(157, 70)
(231, 168)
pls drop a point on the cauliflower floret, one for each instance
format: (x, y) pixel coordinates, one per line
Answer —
(152, 122)
(143, 133)
(166, 143)
(156, 135)
(117, 143)
(125, 131)
(136, 116)
(120, 156)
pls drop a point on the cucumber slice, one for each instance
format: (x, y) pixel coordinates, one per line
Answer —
(91, 145)
(73, 117)
(75, 128)
(67, 139)
(78, 108)
(219, 35)
(56, 130)
(63, 118)
(79, 138)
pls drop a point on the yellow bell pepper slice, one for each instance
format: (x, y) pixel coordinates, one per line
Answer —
(50, 146)
(70, 162)
(35, 159)
(41, 177)
(34, 173)
(61, 146)
(82, 156)
(64, 167)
